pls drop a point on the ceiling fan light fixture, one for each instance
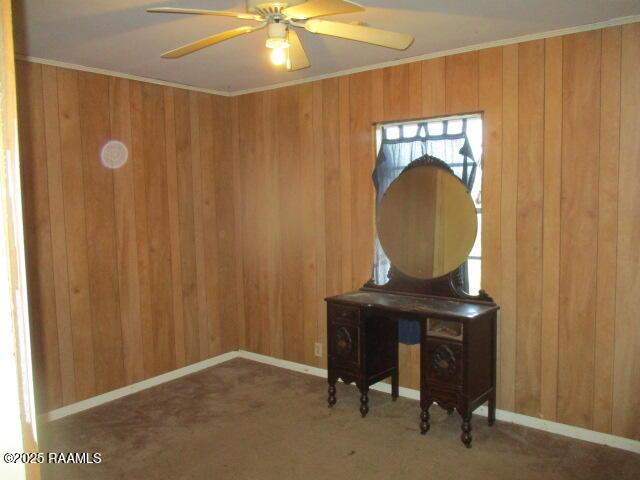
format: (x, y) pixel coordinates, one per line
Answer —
(277, 36)
(277, 43)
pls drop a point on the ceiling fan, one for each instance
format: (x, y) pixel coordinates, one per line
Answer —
(279, 17)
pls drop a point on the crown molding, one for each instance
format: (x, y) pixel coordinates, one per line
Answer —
(614, 22)
(444, 53)
(112, 73)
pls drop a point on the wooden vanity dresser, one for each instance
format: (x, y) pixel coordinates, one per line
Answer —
(458, 334)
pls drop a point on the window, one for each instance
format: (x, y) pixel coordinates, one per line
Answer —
(454, 140)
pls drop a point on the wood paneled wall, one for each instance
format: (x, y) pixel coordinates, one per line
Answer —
(561, 191)
(132, 271)
(234, 218)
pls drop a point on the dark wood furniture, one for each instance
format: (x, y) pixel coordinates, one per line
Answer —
(457, 369)
(457, 345)
(362, 347)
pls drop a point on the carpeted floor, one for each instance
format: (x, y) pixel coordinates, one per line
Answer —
(245, 420)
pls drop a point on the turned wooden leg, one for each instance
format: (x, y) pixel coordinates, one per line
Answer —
(492, 408)
(395, 385)
(466, 431)
(331, 399)
(364, 402)
(424, 419)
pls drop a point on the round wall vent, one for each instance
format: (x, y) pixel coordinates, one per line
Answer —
(114, 154)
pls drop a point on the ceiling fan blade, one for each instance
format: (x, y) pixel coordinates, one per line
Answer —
(195, 11)
(319, 8)
(208, 41)
(296, 57)
(383, 38)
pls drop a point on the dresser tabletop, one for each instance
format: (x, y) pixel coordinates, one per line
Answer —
(416, 304)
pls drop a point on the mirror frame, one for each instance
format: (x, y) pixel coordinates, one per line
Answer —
(447, 285)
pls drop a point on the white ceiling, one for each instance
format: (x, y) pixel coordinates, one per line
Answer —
(118, 35)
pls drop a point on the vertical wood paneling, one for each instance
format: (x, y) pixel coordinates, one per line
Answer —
(209, 246)
(209, 236)
(174, 227)
(319, 219)
(39, 254)
(264, 192)
(396, 96)
(109, 248)
(508, 225)
(218, 176)
(345, 182)
(58, 235)
(607, 228)
(186, 226)
(291, 208)
(434, 87)
(158, 334)
(333, 199)
(127, 255)
(239, 208)
(461, 83)
(377, 93)
(490, 102)
(196, 171)
(76, 233)
(271, 334)
(142, 235)
(414, 93)
(579, 237)
(274, 334)
(626, 390)
(362, 160)
(310, 303)
(529, 225)
(551, 227)
(250, 214)
(101, 234)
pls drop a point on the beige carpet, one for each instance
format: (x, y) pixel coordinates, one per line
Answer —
(244, 420)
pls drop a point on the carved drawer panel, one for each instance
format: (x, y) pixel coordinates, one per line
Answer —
(344, 314)
(343, 332)
(443, 363)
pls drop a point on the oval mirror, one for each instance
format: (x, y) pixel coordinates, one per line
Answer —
(427, 222)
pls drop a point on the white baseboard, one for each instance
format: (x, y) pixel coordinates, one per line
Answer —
(502, 415)
(133, 388)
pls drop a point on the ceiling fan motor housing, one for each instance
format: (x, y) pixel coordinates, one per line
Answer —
(265, 8)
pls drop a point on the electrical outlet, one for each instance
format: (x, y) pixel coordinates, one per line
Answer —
(318, 350)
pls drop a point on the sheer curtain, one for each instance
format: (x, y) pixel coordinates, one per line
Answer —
(400, 145)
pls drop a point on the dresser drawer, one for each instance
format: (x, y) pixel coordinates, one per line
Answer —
(344, 336)
(443, 363)
(344, 314)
